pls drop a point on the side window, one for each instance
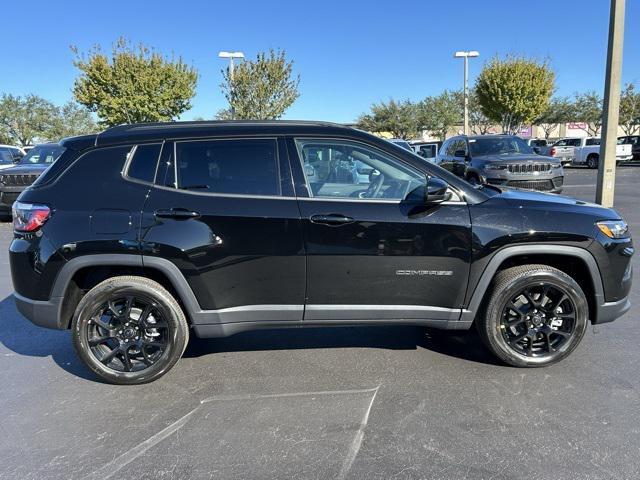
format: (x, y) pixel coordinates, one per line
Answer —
(575, 142)
(142, 165)
(5, 155)
(344, 169)
(245, 166)
(592, 141)
(560, 143)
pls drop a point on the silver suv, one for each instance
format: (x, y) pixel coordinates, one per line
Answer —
(502, 160)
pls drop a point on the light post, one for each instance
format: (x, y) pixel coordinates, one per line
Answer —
(466, 56)
(231, 56)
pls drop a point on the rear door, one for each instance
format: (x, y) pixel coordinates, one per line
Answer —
(223, 211)
(370, 254)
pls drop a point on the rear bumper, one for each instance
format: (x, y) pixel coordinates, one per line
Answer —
(39, 312)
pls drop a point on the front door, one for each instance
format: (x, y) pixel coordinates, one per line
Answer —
(370, 255)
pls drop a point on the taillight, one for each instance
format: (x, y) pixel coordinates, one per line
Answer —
(29, 217)
(552, 152)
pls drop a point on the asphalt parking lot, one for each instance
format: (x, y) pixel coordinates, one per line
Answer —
(378, 402)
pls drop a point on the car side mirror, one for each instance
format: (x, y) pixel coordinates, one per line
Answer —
(460, 154)
(437, 191)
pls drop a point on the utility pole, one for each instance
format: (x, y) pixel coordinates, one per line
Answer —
(231, 56)
(466, 56)
(611, 106)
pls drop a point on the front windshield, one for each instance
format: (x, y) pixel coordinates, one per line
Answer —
(498, 146)
(42, 155)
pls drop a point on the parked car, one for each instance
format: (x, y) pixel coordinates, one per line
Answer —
(16, 178)
(563, 149)
(634, 141)
(502, 160)
(588, 152)
(141, 235)
(401, 143)
(427, 150)
(10, 155)
(540, 146)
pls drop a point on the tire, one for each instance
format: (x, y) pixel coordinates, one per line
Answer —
(593, 160)
(148, 333)
(503, 328)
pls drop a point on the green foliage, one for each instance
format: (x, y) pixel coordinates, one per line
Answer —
(224, 114)
(438, 113)
(514, 91)
(262, 89)
(630, 109)
(559, 110)
(587, 109)
(24, 120)
(400, 119)
(133, 84)
(71, 120)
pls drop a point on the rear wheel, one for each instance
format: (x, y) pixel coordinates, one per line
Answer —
(536, 316)
(129, 330)
(593, 160)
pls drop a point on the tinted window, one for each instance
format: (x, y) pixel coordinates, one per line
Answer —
(42, 155)
(5, 156)
(498, 146)
(144, 162)
(343, 169)
(575, 142)
(592, 141)
(228, 166)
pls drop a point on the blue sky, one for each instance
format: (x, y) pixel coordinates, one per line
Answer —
(348, 53)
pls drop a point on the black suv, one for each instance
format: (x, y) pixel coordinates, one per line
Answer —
(503, 160)
(15, 179)
(140, 235)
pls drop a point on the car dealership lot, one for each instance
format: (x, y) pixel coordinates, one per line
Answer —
(383, 402)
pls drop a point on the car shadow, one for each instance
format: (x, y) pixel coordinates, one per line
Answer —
(464, 345)
(18, 335)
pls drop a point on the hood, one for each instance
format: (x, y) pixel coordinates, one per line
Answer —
(552, 202)
(517, 158)
(35, 169)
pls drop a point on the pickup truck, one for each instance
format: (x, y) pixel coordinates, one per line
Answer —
(588, 152)
(563, 149)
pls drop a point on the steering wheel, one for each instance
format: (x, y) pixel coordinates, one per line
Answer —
(375, 185)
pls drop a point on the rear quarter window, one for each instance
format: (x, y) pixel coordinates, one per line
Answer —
(143, 162)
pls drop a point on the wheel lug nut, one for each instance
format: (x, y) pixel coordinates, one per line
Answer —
(120, 332)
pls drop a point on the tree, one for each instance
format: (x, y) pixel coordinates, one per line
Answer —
(71, 120)
(559, 110)
(587, 109)
(224, 114)
(630, 110)
(514, 91)
(262, 89)
(25, 119)
(437, 114)
(133, 84)
(397, 118)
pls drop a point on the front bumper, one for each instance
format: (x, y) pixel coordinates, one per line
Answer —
(550, 184)
(8, 195)
(609, 311)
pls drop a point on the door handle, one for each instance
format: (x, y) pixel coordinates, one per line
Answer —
(176, 213)
(333, 219)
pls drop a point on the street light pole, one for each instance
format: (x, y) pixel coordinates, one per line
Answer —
(607, 166)
(466, 56)
(231, 56)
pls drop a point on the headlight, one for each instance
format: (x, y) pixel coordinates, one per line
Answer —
(494, 166)
(614, 228)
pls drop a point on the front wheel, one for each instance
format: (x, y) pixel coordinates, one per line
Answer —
(129, 330)
(536, 316)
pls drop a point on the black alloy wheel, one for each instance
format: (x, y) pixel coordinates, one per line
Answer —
(536, 315)
(129, 330)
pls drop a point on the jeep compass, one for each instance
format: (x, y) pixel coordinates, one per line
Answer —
(142, 235)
